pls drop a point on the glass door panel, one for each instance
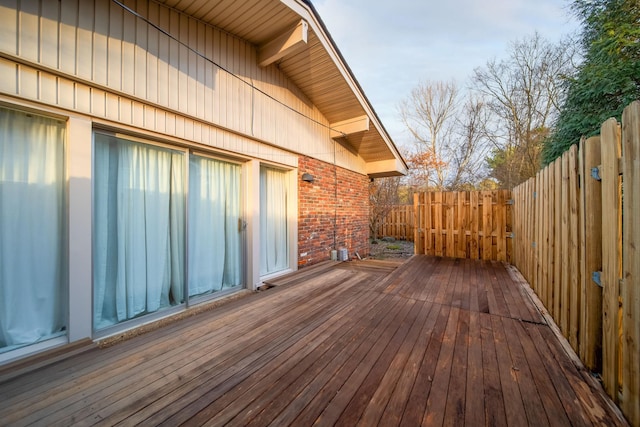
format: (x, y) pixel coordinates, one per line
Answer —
(215, 235)
(274, 233)
(33, 284)
(139, 211)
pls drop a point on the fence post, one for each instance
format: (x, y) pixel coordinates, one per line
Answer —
(631, 263)
(610, 145)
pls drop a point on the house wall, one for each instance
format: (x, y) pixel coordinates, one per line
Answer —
(97, 59)
(335, 196)
(96, 67)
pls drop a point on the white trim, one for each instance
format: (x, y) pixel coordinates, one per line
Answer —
(80, 220)
(252, 215)
(293, 219)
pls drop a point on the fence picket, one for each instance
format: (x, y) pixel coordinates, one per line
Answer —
(450, 224)
(501, 226)
(469, 224)
(631, 264)
(461, 217)
(584, 229)
(574, 250)
(591, 243)
(610, 139)
(557, 241)
(486, 225)
(474, 220)
(564, 255)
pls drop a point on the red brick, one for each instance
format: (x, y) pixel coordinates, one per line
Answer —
(318, 206)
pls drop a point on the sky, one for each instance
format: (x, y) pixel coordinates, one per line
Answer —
(392, 46)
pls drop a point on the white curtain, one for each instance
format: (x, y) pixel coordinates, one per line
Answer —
(214, 238)
(274, 242)
(32, 229)
(138, 229)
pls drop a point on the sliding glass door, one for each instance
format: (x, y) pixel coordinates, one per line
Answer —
(33, 289)
(154, 246)
(139, 217)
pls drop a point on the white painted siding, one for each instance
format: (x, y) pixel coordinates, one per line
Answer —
(97, 59)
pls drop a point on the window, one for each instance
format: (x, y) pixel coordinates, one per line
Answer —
(32, 229)
(139, 217)
(274, 240)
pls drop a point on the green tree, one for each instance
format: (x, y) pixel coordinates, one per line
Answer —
(609, 77)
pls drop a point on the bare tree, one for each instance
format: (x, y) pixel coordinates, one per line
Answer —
(448, 150)
(427, 114)
(522, 94)
(383, 195)
(468, 155)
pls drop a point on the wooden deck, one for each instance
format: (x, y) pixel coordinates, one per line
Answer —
(434, 342)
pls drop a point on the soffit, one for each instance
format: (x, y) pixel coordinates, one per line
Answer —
(318, 70)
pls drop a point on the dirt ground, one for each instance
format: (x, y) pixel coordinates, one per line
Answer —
(387, 248)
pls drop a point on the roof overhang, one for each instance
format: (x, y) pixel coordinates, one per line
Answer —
(290, 34)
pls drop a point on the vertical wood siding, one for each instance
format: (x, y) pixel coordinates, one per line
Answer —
(95, 58)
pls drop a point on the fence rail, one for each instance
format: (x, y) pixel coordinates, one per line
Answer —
(577, 242)
(465, 224)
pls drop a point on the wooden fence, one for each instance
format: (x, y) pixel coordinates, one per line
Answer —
(465, 224)
(398, 223)
(577, 242)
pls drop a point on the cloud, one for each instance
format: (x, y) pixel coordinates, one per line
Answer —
(391, 46)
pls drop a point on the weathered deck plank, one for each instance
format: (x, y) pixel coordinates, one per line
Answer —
(435, 341)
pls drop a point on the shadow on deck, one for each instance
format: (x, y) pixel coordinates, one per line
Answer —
(435, 341)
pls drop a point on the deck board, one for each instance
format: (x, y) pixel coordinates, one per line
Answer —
(432, 341)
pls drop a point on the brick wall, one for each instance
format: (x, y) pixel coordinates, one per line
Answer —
(318, 206)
